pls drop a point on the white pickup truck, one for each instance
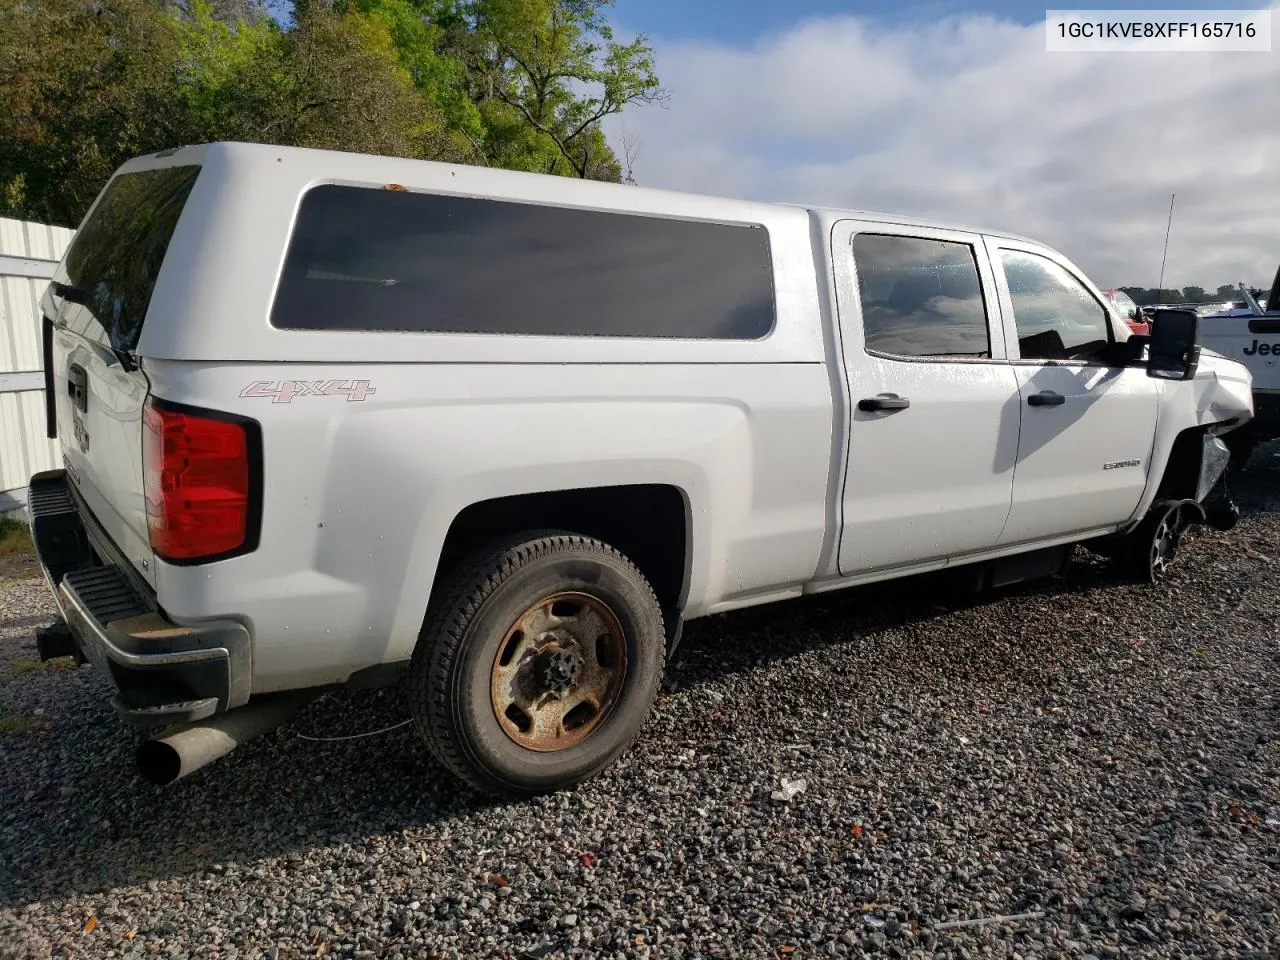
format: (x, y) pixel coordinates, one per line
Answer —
(331, 419)
(1251, 335)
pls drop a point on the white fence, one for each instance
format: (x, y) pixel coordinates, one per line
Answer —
(28, 254)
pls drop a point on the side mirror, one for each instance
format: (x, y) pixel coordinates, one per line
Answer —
(1174, 345)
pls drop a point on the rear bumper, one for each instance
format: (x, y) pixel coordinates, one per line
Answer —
(164, 672)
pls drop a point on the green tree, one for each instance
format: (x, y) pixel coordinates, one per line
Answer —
(1140, 295)
(83, 86)
(417, 29)
(557, 66)
(224, 65)
(333, 81)
(88, 84)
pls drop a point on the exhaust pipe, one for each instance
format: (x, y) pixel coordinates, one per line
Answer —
(172, 757)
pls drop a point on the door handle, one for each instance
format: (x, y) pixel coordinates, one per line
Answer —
(885, 401)
(78, 387)
(1046, 398)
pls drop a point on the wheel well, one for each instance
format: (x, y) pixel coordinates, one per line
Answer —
(645, 521)
(1182, 472)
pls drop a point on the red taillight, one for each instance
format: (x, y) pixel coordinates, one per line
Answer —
(196, 479)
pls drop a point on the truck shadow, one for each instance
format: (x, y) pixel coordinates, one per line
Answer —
(91, 824)
(94, 826)
(857, 615)
(87, 823)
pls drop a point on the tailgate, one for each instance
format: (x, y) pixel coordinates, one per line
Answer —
(94, 313)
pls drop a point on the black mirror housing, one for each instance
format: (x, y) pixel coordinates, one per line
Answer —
(1174, 345)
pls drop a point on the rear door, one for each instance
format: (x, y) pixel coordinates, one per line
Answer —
(1088, 427)
(95, 309)
(934, 404)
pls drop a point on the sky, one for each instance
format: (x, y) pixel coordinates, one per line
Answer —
(954, 110)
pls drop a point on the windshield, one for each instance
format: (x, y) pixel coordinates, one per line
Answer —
(112, 264)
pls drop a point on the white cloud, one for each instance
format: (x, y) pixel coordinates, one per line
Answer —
(969, 119)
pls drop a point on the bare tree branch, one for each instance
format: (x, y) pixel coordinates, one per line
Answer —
(631, 148)
(541, 128)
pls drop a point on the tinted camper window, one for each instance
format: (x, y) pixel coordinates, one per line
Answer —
(112, 264)
(368, 259)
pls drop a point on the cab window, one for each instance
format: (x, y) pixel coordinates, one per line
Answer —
(920, 297)
(1057, 318)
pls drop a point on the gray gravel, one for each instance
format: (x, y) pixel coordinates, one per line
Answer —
(1102, 757)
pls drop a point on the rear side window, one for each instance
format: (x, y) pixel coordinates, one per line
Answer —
(112, 264)
(920, 298)
(368, 259)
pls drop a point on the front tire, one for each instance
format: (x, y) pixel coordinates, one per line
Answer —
(537, 664)
(1241, 445)
(1151, 549)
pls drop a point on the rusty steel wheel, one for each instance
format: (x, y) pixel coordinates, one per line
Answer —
(537, 662)
(558, 671)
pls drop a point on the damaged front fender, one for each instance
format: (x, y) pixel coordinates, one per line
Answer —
(1221, 394)
(1193, 412)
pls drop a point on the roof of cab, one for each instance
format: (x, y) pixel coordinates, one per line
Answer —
(383, 169)
(831, 214)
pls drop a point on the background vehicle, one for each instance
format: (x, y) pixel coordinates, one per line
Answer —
(1128, 311)
(1250, 334)
(330, 418)
(1229, 308)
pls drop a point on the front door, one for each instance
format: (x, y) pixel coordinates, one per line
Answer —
(934, 403)
(1088, 427)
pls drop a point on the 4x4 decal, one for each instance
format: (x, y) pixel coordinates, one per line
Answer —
(285, 390)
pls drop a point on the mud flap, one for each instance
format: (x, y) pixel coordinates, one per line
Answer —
(674, 622)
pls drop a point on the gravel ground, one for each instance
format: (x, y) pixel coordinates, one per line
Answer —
(1102, 757)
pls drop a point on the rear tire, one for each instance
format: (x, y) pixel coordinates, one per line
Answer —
(537, 663)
